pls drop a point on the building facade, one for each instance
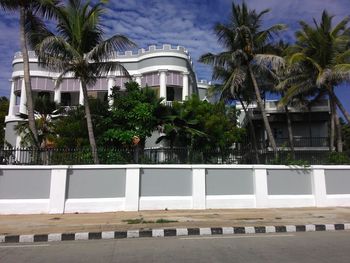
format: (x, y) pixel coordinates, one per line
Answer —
(310, 126)
(166, 69)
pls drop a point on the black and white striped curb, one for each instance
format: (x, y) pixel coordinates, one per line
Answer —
(171, 232)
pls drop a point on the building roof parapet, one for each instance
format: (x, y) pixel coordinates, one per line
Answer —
(132, 54)
(151, 49)
(31, 54)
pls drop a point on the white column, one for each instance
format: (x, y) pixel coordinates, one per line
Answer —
(161, 151)
(260, 185)
(137, 78)
(111, 84)
(57, 95)
(18, 145)
(198, 189)
(58, 191)
(162, 84)
(132, 187)
(319, 187)
(23, 100)
(12, 100)
(185, 86)
(81, 95)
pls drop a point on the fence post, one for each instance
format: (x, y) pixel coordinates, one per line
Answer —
(58, 191)
(198, 189)
(132, 189)
(260, 185)
(319, 187)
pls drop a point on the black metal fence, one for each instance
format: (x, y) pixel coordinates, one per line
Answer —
(237, 155)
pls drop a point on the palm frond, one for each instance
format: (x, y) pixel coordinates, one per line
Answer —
(56, 53)
(271, 61)
(341, 26)
(105, 49)
(98, 69)
(36, 30)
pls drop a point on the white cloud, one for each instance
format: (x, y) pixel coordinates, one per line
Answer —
(187, 23)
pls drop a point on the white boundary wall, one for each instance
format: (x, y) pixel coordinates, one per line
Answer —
(59, 202)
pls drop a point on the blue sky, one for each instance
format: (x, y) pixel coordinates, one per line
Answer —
(183, 22)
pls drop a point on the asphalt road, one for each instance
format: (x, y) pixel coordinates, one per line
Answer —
(294, 247)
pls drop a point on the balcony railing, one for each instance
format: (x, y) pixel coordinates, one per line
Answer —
(170, 103)
(299, 142)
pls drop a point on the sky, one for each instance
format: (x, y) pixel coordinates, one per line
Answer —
(188, 23)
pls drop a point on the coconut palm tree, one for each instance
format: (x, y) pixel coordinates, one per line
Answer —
(79, 49)
(30, 12)
(321, 59)
(249, 49)
(235, 87)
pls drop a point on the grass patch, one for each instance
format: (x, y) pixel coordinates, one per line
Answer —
(165, 221)
(135, 221)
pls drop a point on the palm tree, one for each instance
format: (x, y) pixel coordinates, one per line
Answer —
(249, 49)
(29, 13)
(321, 59)
(79, 48)
(236, 88)
(46, 111)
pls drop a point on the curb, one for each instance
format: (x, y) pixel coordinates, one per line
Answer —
(171, 232)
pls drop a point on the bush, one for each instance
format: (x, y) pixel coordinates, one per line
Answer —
(338, 158)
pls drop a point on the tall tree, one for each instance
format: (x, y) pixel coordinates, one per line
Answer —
(249, 48)
(30, 12)
(235, 87)
(321, 58)
(79, 48)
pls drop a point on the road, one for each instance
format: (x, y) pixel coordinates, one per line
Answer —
(274, 248)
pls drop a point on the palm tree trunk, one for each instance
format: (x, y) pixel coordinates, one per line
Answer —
(262, 109)
(332, 127)
(340, 105)
(339, 133)
(290, 130)
(310, 127)
(89, 124)
(27, 83)
(252, 131)
(337, 127)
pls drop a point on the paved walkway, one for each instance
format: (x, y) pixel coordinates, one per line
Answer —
(120, 221)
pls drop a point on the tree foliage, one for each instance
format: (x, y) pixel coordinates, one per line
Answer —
(46, 111)
(135, 112)
(202, 125)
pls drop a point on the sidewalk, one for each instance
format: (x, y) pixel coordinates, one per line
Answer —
(120, 221)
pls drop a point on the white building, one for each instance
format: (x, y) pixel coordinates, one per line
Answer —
(168, 70)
